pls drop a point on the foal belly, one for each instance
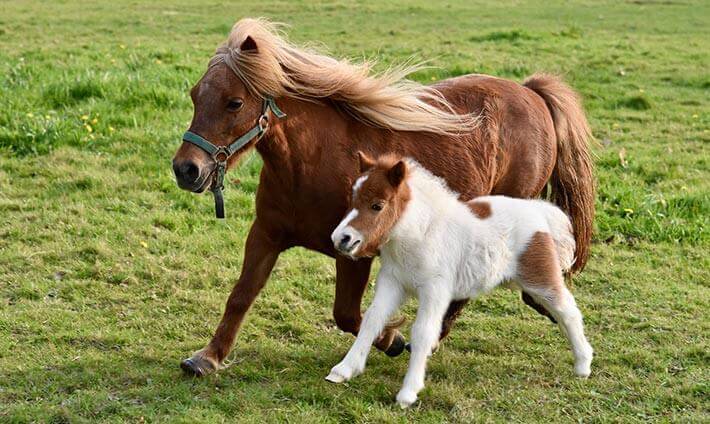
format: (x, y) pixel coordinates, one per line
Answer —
(479, 276)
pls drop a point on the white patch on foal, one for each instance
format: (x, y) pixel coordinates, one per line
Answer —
(344, 229)
(358, 183)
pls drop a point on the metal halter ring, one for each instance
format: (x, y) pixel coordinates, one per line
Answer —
(263, 123)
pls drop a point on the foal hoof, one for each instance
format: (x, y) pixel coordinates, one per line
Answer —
(396, 347)
(198, 366)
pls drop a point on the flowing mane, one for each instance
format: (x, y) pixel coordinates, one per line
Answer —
(386, 100)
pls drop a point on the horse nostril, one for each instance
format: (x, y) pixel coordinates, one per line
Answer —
(187, 171)
(346, 238)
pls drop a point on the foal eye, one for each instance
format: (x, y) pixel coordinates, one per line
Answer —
(235, 105)
(376, 207)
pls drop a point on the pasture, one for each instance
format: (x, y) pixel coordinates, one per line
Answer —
(110, 274)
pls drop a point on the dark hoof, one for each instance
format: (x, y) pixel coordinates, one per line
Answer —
(408, 348)
(197, 366)
(396, 347)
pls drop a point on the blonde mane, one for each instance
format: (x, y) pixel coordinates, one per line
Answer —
(386, 100)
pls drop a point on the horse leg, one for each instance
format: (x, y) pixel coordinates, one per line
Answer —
(260, 254)
(388, 297)
(351, 279)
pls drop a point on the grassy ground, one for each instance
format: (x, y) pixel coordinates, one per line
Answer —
(109, 274)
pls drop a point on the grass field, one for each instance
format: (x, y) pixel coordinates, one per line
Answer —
(110, 275)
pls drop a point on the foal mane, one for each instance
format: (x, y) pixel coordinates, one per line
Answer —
(386, 100)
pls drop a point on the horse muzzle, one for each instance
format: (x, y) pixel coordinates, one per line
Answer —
(190, 176)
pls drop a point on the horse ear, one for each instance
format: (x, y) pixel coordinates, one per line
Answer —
(397, 173)
(365, 162)
(248, 45)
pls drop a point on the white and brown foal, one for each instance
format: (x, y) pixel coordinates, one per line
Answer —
(440, 249)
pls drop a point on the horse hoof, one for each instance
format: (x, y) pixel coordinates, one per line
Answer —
(396, 347)
(408, 348)
(197, 366)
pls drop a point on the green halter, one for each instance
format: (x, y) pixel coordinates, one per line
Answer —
(220, 154)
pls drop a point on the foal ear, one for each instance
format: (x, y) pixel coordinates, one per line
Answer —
(365, 162)
(248, 45)
(397, 173)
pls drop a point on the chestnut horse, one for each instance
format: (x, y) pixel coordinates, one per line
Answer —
(481, 134)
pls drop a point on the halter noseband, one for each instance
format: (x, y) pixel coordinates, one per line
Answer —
(220, 154)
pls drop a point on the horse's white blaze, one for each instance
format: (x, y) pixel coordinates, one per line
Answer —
(344, 229)
(440, 251)
(358, 184)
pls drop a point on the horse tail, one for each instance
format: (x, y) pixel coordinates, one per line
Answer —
(572, 181)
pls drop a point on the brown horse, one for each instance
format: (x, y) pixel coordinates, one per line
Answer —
(481, 134)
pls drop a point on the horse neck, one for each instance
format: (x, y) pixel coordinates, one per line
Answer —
(299, 138)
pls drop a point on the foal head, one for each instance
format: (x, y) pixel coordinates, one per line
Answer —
(380, 195)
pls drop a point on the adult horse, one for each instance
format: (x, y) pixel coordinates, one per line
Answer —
(481, 134)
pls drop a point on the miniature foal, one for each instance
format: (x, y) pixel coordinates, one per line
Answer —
(440, 249)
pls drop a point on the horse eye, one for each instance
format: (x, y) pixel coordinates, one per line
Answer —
(376, 207)
(235, 105)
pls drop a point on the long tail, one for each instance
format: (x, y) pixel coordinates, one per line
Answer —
(572, 181)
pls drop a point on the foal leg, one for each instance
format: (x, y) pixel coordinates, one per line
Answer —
(425, 334)
(388, 297)
(560, 303)
(260, 254)
(351, 279)
(540, 276)
(452, 313)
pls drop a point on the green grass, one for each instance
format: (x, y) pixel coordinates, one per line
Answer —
(110, 275)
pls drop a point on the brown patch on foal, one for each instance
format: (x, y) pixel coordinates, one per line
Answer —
(480, 208)
(538, 266)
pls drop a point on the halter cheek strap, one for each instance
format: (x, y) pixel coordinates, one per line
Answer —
(220, 154)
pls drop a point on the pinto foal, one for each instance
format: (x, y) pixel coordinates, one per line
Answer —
(440, 249)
